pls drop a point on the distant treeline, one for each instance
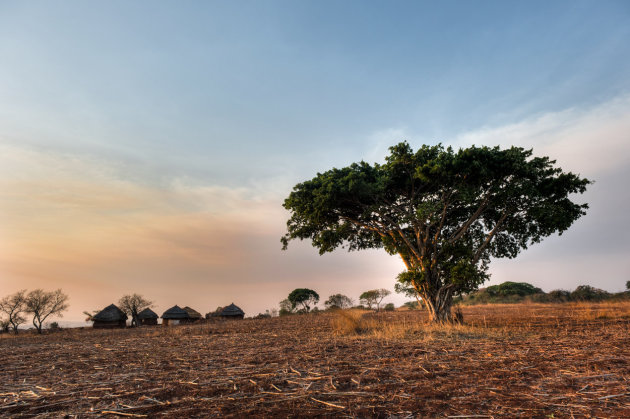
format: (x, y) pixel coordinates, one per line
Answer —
(516, 292)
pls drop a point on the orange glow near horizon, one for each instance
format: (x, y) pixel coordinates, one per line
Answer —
(77, 227)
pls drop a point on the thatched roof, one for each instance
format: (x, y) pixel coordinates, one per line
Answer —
(147, 313)
(111, 313)
(232, 310)
(192, 313)
(175, 313)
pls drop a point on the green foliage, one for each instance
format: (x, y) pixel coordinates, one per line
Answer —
(588, 293)
(373, 298)
(513, 288)
(302, 299)
(515, 292)
(559, 296)
(389, 307)
(406, 290)
(628, 285)
(445, 212)
(412, 305)
(507, 292)
(338, 301)
(286, 307)
(54, 326)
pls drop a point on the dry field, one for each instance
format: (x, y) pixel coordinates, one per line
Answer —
(507, 361)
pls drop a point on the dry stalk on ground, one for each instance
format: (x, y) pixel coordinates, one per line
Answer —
(529, 360)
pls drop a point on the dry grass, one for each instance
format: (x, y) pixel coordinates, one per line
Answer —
(603, 310)
(531, 360)
(362, 324)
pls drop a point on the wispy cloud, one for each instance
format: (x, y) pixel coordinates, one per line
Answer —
(76, 222)
(595, 143)
(92, 226)
(588, 141)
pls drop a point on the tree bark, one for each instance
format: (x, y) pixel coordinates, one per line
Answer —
(440, 305)
(37, 323)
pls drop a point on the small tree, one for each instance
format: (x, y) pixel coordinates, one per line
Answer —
(43, 304)
(338, 301)
(374, 297)
(285, 307)
(368, 298)
(302, 299)
(382, 293)
(628, 285)
(389, 307)
(13, 306)
(132, 305)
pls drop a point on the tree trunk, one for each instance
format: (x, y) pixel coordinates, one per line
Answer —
(440, 306)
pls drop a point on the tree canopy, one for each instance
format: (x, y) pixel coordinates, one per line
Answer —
(374, 297)
(132, 305)
(302, 299)
(513, 288)
(14, 306)
(444, 212)
(43, 304)
(338, 301)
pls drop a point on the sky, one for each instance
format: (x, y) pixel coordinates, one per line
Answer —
(147, 147)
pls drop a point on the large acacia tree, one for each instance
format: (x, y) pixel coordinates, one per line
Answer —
(445, 212)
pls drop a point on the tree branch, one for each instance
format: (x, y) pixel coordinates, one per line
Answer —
(462, 230)
(490, 236)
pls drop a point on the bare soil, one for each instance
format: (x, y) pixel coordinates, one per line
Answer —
(507, 361)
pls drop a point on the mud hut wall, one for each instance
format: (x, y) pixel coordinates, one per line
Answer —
(236, 317)
(109, 325)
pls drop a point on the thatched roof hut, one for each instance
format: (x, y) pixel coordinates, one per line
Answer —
(110, 317)
(192, 313)
(232, 312)
(148, 317)
(174, 314)
(177, 314)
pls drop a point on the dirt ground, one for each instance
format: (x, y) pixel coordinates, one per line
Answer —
(507, 361)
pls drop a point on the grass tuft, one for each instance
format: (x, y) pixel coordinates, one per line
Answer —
(349, 322)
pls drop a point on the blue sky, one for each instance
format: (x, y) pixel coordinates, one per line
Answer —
(118, 119)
